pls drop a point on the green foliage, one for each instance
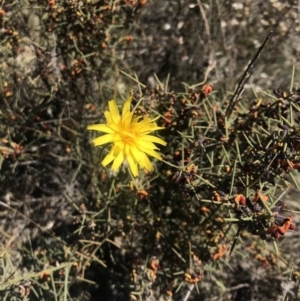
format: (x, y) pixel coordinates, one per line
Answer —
(210, 221)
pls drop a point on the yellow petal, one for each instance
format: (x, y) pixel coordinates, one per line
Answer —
(141, 158)
(153, 139)
(142, 144)
(117, 139)
(137, 154)
(114, 127)
(133, 165)
(128, 134)
(108, 117)
(146, 126)
(114, 111)
(101, 128)
(126, 121)
(126, 106)
(142, 124)
(151, 153)
(118, 161)
(118, 147)
(150, 127)
(145, 163)
(103, 139)
(108, 158)
(136, 119)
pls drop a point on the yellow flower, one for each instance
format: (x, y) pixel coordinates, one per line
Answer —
(130, 138)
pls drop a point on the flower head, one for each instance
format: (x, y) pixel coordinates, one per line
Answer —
(130, 138)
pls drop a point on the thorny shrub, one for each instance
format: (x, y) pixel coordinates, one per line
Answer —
(73, 227)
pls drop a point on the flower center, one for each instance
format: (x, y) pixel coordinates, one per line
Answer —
(127, 137)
